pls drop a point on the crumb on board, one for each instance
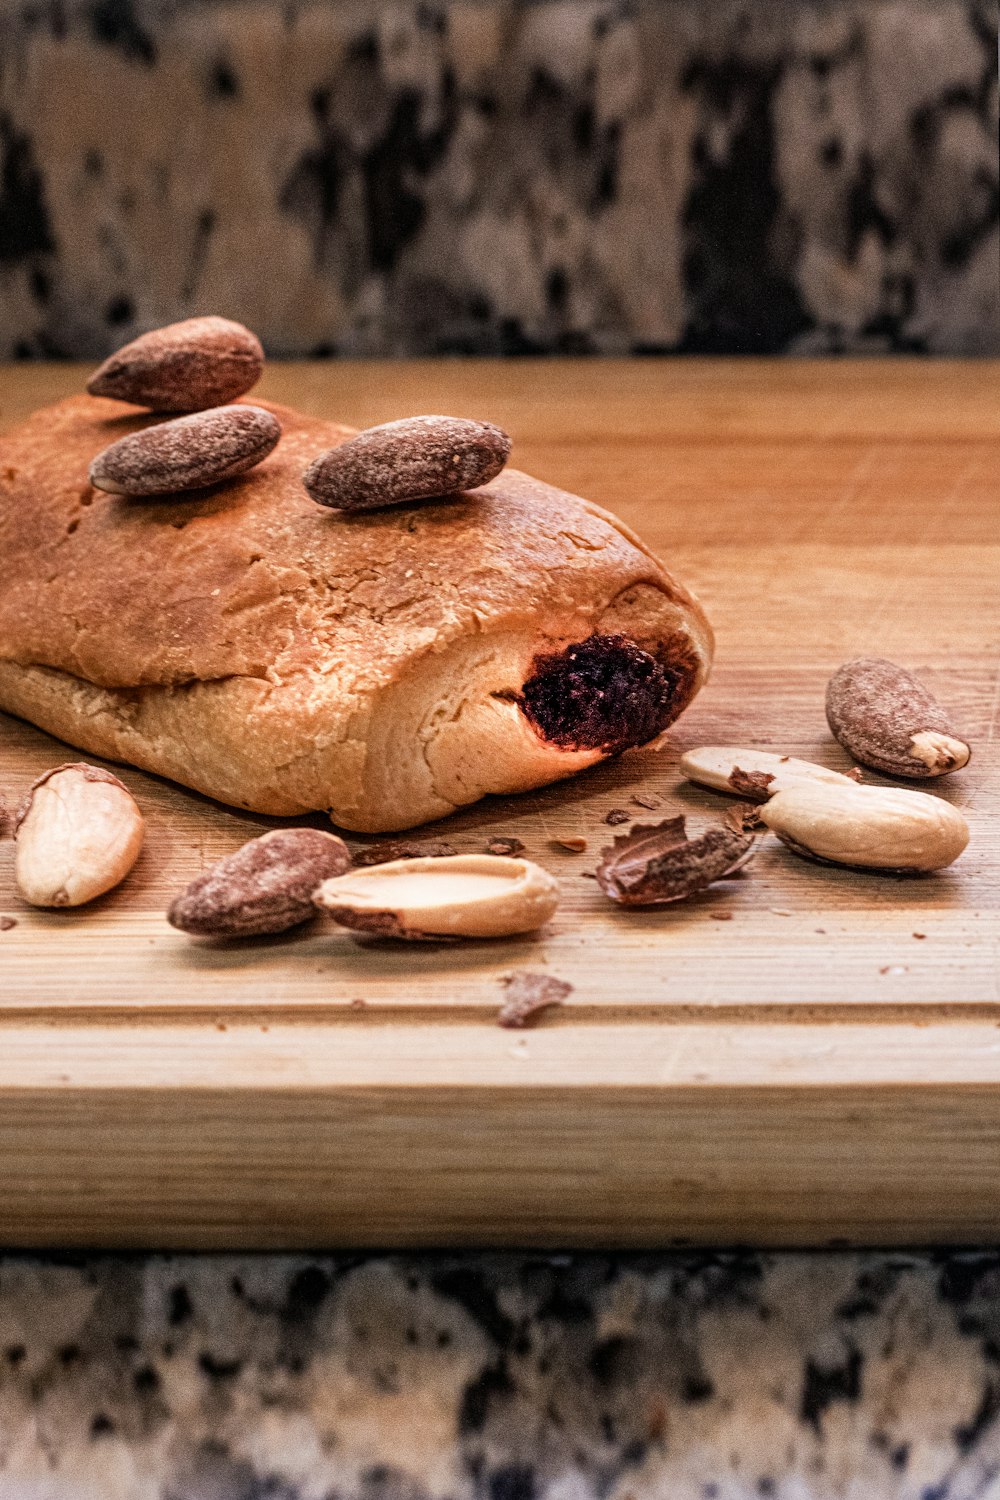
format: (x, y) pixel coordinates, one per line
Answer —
(528, 994)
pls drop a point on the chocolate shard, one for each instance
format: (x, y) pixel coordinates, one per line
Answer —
(654, 864)
(528, 994)
(751, 783)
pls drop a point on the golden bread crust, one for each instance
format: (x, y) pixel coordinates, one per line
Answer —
(283, 657)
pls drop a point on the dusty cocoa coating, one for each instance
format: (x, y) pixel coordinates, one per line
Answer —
(266, 886)
(186, 366)
(189, 453)
(418, 458)
(604, 693)
(888, 720)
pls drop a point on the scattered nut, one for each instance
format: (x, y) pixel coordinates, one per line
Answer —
(186, 366)
(418, 458)
(888, 720)
(573, 844)
(528, 994)
(78, 833)
(657, 864)
(650, 803)
(468, 895)
(6, 923)
(266, 886)
(617, 816)
(752, 773)
(505, 846)
(879, 828)
(721, 916)
(393, 849)
(187, 453)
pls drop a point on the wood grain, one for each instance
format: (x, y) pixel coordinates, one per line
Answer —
(809, 1068)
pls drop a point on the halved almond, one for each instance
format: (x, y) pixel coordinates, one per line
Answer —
(462, 895)
(754, 773)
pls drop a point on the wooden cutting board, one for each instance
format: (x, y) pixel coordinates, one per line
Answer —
(822, 1065)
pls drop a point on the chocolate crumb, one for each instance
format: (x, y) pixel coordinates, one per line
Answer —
(574, 845)
(616, 816)
(6, 923)
(383, 854)
(742, 817)
(528, 994)
(508, 847)
(920, 935)
(854, 774)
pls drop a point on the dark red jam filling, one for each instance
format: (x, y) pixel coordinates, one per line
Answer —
(604, 693)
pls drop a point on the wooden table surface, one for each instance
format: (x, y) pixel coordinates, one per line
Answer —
(824, 1065)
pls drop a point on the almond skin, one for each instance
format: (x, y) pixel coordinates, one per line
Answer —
(188, 453)
(186, 366)
(267, 886)
(418, 458)
(78, 833)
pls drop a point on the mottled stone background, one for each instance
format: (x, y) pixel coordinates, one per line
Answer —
(492, 176)
(501, 1377)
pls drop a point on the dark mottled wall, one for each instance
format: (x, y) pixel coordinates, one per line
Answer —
(502, 177)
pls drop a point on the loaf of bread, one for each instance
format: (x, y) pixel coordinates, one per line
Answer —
(387, 666)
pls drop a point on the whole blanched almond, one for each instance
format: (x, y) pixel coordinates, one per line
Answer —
(186, 366)
(875, 827)
(78, 833)
(418, 458)
(267, 886)
(187, 453)
(462, 895)
(887, 719)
